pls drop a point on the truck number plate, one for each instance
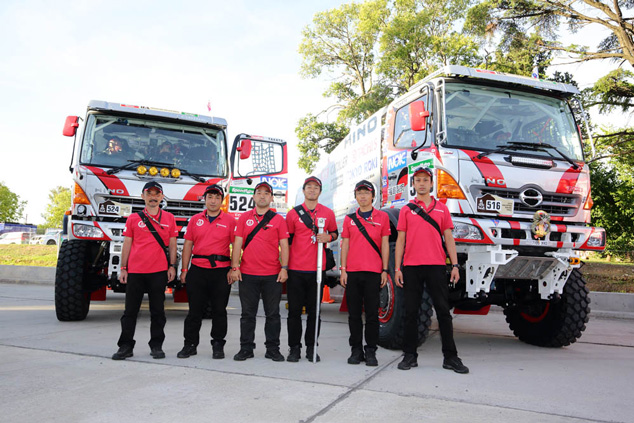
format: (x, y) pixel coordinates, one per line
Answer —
(240, 203)
(494, 204)
(111, 208)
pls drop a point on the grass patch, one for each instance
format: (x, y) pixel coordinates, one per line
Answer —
(28, 255)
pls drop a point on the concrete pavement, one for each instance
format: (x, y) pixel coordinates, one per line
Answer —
(54, 371)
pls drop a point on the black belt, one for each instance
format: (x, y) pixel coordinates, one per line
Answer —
(213, 258)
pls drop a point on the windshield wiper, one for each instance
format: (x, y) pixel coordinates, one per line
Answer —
(499, 149)
(133, 163)
(193, 176)
(543, 147)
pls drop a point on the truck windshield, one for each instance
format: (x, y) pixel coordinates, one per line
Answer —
(483, 118)
(113, 141)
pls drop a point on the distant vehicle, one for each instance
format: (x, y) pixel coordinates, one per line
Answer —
(51, 237)
(17, 227)
(15, 238)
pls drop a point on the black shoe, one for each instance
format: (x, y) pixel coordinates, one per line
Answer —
(123, 353)
(294, 354)
(243, 355)
(310, 351)
(187, 351)
(356, 357)
(455, 364)
(157, 352)
(409, 361)
(218, 353)
(274, 355)
(370, 357)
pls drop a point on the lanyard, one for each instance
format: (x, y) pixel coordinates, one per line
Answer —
(422, 205)
(370, 219)
(160, 213)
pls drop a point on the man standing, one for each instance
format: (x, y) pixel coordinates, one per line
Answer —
(365, 249)
(301, 288)
(209, 235)
(259, 236)
(148, 262)
(420, 226)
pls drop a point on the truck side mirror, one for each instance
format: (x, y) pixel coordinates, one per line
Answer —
(245, 149)
(418, 116)
(70, 126)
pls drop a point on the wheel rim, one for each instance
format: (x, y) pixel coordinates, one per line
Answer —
(386, 301)
(535, 316)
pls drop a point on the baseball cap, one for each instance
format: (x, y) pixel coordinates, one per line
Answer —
(216, 189)
(363, 184)
(153, 184)
(312, 179)
(426, 170)
(265, 185)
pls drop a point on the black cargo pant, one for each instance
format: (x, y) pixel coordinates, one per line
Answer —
(251, 289)
(207, 286)
(301, 291)
(362, 290)
(434, 280)
(138, 284)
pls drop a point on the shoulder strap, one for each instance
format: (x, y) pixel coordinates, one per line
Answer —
(155, 234)
(427, 218)
(364, 232)
(266, 219)
(308, 221)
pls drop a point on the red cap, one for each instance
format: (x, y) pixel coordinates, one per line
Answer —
(312, 179)
(216, 189)
(263, 184)
(421, 169)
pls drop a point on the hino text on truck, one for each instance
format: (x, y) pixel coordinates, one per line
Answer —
(120, 148)
(508, 162)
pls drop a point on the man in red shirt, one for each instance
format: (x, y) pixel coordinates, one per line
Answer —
(424, 267)
(147, 267)
(301, 289)
(209, 235)
(259, 271)
(364, 271)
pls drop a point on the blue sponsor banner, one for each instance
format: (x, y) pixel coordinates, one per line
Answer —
(276, 183)
(397, 161)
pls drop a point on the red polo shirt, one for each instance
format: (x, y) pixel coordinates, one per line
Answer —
(361, 256)
(211, 238)
(146, 255)
(303, 253)
(262, 256)
(423, 245)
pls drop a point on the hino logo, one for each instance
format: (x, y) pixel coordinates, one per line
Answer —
(495, 182)
(117, 191)
(531, 197)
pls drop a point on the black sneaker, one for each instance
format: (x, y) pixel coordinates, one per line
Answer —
(157, 352)
(310, 351)
(294, 354)
(370, 357)
(455, 364)
(274, 355)
(243, 354)
(409, 361)
(187, 351)
(123, 353)
(218, 353)
(356, 357)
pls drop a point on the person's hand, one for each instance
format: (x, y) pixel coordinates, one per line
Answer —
(123, 276)
(398, 278)
(323, 238)
(343, 279)
(383, 279)
(184, 277)
(171, 274)
(455, 275)
(282, 276)
(235, 276)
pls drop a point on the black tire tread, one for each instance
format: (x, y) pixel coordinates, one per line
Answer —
(71, 301)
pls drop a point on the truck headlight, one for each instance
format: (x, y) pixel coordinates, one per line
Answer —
(87, 231)
(466, 231)
(596, 239)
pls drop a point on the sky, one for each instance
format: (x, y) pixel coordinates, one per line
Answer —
(239, 55)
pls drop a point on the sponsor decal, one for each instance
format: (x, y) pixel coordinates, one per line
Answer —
(141, 224)
(200, 222)
(250, 222)
(276, 182)
(397, 161)
(241, 190)
(494, 204)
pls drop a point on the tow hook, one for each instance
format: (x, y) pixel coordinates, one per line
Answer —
(481, 296)
(555, 298)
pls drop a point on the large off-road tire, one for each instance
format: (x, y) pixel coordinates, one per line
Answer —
(72, 300)
(392, 312)
(554, 325)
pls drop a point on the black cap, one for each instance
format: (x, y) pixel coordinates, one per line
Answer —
(312, 179)
(216, 189)
(263, 184)
(363, 184)
(153, 184)
(426, 170)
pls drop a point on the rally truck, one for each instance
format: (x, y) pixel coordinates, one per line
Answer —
(119, 148)
(508, 160)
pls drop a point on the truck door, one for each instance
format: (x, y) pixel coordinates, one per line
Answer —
(254, 159)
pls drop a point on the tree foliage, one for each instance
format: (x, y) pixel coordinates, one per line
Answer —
(11, 208)
(59, 202)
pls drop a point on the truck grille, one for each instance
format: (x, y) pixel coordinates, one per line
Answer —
(179, 208)
(554, 204)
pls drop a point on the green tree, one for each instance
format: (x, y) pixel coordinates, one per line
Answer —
(59, 202)
(314, 135)
(11, 208)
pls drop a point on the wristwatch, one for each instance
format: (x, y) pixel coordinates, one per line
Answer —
(285, 267)
(386, 270)
(455, 265)
(172, 265)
